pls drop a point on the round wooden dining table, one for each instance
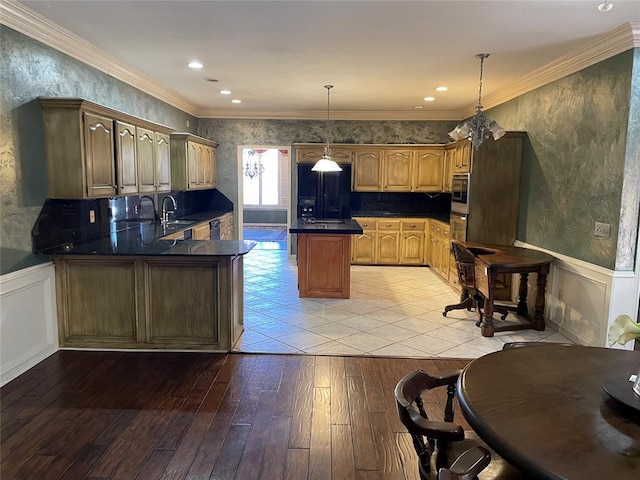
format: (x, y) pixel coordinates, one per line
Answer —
(545, 410)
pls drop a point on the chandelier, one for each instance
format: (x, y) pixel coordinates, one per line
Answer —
(325, 164)
(478, 128)
(253, 163)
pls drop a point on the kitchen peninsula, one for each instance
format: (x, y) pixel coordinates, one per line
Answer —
(324, 256)
(148, 285)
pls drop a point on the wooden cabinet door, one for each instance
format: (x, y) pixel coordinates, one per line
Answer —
(311, 154)
(427, 170)
(127, 166)
(87, 314)
(367, 170)
(412, 248)
(99, 156)
(193, 161)
(209, 167)
(387, 251)
(449, 164)
(182, 302)
(145, 148)
(364, 248)
(163, 162)
(214, 168)
(201, 232)
(397, 170)
(463, 157)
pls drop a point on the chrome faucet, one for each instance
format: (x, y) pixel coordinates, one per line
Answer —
(136, 209)
(165, 212)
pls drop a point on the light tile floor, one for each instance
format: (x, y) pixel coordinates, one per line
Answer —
(393, 311)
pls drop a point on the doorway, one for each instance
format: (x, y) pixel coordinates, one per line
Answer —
(264, 190)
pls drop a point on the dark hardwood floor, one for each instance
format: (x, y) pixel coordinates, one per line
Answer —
(119, 415)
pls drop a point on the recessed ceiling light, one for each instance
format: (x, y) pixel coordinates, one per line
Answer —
(429, 99)
(442, 89)
(236, 100)
(195, 64)
(225, 92)
(418, 106)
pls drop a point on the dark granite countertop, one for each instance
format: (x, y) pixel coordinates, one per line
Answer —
(145, 237)
(346, 226)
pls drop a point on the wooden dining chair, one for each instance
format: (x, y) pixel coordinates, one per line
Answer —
(467, 466)
(438, 443)
(470, 296)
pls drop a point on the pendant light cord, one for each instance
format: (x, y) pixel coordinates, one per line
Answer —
(481, 56)
(328, 87)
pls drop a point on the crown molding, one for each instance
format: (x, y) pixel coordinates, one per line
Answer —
(399, 115)
(26, 21)
(605, 46)
(34, 25)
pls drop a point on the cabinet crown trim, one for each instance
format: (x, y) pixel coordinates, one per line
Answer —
(82, 104)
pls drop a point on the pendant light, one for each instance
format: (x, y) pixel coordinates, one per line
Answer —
(478, 128)
(325, 164)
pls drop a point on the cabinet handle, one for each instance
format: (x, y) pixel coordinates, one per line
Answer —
(413, 226)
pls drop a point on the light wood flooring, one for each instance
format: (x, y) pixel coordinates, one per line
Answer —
(196, 416)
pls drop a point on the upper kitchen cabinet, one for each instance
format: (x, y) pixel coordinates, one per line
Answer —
(367, 170)
(397, 170)
(126, 165)
(448, 167)
(94, 151)
(462, 154)
(392, 169)
(311, 153)
(193, 162)
(154, 161)
(427, 168)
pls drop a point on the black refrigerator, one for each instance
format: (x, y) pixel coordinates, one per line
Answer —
(328, 193)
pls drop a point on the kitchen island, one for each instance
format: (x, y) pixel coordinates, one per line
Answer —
(131, 289)
(324, 256)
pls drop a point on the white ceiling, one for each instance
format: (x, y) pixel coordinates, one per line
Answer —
(382, 57)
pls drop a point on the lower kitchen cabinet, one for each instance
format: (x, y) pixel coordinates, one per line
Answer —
(226, 226)
(412, 246)
(388, 242)
(439, 248)
(149, 302)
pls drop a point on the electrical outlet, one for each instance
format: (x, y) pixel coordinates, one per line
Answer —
(602, 229)
(92, 216)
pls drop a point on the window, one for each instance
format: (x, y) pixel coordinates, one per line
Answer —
(265, 174)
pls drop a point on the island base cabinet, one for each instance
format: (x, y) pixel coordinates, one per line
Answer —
(149, 302)
(324, 266)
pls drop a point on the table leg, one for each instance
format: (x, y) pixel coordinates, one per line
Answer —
(486, 327)
(538, 318)
(522, 294)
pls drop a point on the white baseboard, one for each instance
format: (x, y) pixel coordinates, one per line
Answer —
(29, 329)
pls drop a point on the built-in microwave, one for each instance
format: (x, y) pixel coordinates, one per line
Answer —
(460, 193)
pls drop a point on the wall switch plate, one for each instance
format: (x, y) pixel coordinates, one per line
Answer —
(92, 216)
(602, 229)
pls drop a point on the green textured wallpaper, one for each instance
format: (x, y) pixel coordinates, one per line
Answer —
(28, 70)
(581, 157)
(574, 159)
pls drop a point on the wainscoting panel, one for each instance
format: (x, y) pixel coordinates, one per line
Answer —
(28, 330)
(583, 299)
